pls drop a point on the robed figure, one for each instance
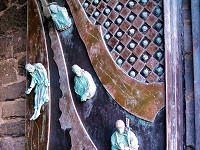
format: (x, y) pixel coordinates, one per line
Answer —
(84, 83)
(40, 82)
(60, 17)
(123, 138)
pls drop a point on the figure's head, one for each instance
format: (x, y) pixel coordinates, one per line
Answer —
(120, 126)
(30, 68)
(53, 7)
(77, 70)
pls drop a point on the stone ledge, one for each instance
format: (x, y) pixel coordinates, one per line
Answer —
(6, 47)
(21, 66)
(13, 128)
(8, 71)
(13, 91)
(8, 143)
(13, 108)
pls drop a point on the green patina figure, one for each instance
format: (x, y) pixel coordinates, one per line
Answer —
(84, 84)
(60, 17)
(123, 138)
(40, 82)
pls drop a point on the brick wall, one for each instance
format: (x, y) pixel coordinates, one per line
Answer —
(13, 25)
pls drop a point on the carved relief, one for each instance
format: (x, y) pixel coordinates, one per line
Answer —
(139, 97)
(41, 84)
(60, 17)
(84, 84)
(123, 138)
(133, 33)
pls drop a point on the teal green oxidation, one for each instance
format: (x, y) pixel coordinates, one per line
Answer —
(43, 128)
(123, 138)
(40, 82)
(144, 14)
(84, 84)
(158, 11)
(60, 17)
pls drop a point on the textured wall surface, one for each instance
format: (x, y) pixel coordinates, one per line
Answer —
(13, 24)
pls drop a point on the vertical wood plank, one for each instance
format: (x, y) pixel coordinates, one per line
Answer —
(173, 22)
(195, 8)
(36, 130)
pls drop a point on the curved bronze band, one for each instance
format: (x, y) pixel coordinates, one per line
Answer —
(143, 100)
(69, 118)
(37, 131)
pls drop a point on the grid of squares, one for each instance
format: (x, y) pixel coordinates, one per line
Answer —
(133, 32)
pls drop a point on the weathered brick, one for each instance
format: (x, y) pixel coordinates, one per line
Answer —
(13, 91)
(3, 5)
(9, 143)
(12, 28)
(13, 108)
(6, 47)
(7, 71)
(21, 66)
(13, 19)
(13, 23)
(19, 41)
(13, 128)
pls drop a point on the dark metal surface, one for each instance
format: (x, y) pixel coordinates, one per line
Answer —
(195, 5)
(143, 100)
(59, 138)
(174, 74)
(189, 76)
(86, 125)
(36, 131)
(101, 112)
(69, 118)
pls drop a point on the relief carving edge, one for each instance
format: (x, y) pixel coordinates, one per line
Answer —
(37, 50)
(140, 99)
(69, 117)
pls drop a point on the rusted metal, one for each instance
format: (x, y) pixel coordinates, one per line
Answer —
(137, 23)
(38, 134)
(174, 74)
(143, 100)
(189, 77)
(69, 118)
(36, 131)
(100, 113)
(195, 7)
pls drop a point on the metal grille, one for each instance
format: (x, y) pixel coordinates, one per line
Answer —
(133, 32)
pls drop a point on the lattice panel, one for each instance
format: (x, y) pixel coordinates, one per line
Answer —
(133, 32)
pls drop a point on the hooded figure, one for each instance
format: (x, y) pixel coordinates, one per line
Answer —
(60, 17)
(84, 84)
(40, 82)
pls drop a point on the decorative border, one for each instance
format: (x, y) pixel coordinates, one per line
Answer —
(173, 22)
